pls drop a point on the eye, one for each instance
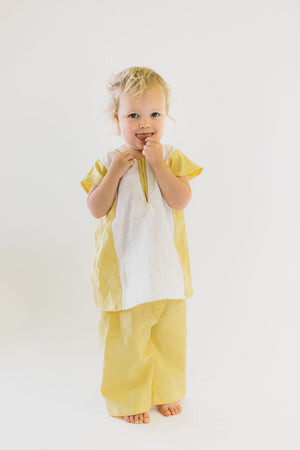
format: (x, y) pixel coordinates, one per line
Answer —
(133, 115)
(155, 114)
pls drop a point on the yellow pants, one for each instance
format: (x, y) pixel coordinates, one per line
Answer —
(144, 356)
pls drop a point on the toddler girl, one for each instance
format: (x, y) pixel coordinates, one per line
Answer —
(140, 266)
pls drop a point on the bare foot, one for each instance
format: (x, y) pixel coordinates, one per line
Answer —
(170, 409)
(138, 418)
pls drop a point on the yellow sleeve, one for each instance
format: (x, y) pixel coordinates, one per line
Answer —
(182, 166)
(95, 176)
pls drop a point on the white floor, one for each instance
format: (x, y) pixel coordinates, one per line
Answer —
(50, 400)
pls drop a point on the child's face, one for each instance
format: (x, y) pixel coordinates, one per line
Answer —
(142, 116)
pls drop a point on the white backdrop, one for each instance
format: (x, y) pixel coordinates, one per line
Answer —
(234, 72)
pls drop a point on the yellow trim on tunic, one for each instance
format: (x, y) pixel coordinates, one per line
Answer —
(143, 176)
(105, 278)
(181, 245)
(181, 166)
(106, 284)
(94, 176)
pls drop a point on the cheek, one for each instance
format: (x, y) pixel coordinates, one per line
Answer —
(128, 127)
(160, 125)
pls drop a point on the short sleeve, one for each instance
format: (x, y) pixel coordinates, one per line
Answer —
(182, 166)
(95, 176)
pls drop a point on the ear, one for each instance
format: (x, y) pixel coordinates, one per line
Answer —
(116, 118)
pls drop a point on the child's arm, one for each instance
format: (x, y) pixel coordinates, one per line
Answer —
(101, 197)
(175, 190)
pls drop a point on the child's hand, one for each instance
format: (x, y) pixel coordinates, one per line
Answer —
(121, 162)
(153, 152)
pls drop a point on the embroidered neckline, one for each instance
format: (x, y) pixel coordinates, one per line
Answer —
(143, 179)
(142, 169)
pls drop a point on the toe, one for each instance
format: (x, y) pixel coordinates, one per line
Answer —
(179, 409)
(165, 410)
(168, 411)
(138, 418)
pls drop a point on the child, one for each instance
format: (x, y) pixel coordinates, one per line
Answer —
(140, 271)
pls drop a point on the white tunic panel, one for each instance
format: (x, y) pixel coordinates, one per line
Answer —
(143, 232)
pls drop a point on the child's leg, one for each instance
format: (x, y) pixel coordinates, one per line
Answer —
(168, 338)
(128, 360)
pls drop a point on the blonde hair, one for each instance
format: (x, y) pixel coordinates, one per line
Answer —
(135, 80)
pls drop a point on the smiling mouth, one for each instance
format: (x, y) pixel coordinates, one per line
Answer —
(143, 136)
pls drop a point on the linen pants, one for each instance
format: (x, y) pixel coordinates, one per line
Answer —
(144, 356)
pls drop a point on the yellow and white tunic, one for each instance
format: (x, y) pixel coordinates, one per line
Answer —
(140, 247)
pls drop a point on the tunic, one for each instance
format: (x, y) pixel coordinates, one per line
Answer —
(140, 246)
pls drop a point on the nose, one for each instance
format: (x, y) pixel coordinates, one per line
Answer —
(145, 123)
